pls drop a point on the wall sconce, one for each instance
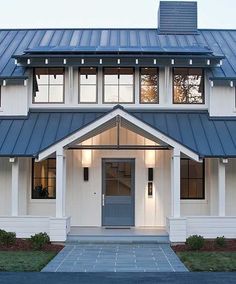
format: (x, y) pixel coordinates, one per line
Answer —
(150, 158)
(86, 162)
(150, 188)
(86, 174)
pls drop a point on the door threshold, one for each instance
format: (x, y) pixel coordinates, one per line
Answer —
(117, 227)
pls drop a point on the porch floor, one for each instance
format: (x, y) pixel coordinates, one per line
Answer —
(133, 234)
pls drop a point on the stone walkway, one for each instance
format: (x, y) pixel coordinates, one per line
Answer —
(116, 258)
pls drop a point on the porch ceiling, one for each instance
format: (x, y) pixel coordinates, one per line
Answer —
(195, 131)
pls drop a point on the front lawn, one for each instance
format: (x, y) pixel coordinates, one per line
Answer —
(24, 260)
(209, 261)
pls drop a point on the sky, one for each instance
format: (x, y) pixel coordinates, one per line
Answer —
(105, 13)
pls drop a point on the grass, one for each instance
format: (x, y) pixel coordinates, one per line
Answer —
(24, 260)
(209, 261)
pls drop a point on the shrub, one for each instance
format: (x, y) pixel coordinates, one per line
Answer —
(195, 242)
(39, 240)
(220, 241)
(7, 238)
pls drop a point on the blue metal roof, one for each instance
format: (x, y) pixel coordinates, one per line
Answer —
(17, 41)
(205, 136)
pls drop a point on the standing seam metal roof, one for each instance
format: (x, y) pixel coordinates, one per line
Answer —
(17, 41)
(208, 137)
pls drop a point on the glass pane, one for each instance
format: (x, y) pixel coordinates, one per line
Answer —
(51, 163)
(184, 168)
(126, 94)
(42, 95)
(196, 188)
(42, 79)
(56, 79)
(126, 79)
(111, 94)
(195, 169)
(125, 187)
(124, 170)
(111, 79)
(112, 188)
(111, 170)
(184, 188)
(56, 94)
(88, 94)
(149, 76)
(149, 94)
(88, 79)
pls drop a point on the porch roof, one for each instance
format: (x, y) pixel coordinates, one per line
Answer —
(195, 130)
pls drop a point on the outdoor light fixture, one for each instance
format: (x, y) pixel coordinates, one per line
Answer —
(150, 158)
(150, 181)
(86, 162)
(150, 188)
(86, 174)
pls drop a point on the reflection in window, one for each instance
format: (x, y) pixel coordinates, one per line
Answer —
(118, 85)
(149, 85)
(188, 86)
(44, 179)
(192, 179)
(48, 85)
(88, 85)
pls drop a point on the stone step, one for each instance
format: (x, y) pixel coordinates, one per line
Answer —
(117, 239)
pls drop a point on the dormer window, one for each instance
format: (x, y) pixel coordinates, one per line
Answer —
(118, 85)
(188, 86)
(48, 85)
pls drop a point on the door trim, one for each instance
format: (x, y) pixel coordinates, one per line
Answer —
(132, 160)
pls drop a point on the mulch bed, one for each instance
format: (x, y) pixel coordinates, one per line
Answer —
(209, 246)
(24, 245)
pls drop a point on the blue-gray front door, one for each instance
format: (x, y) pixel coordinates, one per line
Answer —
(118, 192)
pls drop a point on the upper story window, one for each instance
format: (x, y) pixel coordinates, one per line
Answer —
(118, 85)
(188, 86)
(149, 86)
(48, 85)
(192, 180)
(44, 179)
(87, 85)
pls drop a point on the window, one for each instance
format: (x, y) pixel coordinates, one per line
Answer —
(192, 180)
(88, 85)
(149, 86)
(48, 85)
(44, 179)
(188, 86)
(118, 85)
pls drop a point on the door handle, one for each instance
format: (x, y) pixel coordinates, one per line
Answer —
(103, 200)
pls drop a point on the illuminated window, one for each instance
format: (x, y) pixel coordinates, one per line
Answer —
(192, 179)
(188, 86)
(149, 85)
(48, 85)
(44, 179)
(118, 85)
(88, 85)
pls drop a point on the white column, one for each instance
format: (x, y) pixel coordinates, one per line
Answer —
(175, 183)
(15, 187)
(60, 183)
(221, 187)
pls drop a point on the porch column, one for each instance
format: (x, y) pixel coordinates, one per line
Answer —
(14, 186)
(60, 183)
(221, 187)
(175, 183)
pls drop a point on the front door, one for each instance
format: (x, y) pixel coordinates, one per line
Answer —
(118, 192)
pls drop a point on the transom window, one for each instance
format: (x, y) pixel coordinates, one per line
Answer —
(149, 86)
(192, 180)
(118, 85)
(188, 86)
(88, 85)
(48, 85)
(44, 179)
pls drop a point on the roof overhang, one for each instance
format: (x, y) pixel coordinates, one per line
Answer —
(108, 119)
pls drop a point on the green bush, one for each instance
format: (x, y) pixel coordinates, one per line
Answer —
(220, 241)
(39, 240)
(7, 238)
(195, 242)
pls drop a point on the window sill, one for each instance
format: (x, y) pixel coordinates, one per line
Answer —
(194, 201)
(49, 201)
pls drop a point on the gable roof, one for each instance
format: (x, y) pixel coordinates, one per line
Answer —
(12, 42)
(195, 130)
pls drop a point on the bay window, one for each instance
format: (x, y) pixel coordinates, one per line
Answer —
(118, 85)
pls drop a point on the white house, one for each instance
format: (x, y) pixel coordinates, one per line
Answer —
(119, 128)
